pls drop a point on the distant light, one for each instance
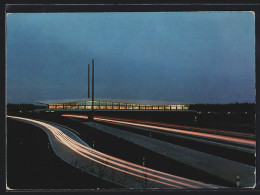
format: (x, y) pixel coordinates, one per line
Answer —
(208, 112)
(245, 112)
(20, 111)
(52, 111)
(228, 113)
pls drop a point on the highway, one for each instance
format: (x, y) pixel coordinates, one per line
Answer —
(227, 154)
(185, 127)
(118, 166)
(234, 140)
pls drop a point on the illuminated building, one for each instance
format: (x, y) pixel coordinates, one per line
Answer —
(114, 104)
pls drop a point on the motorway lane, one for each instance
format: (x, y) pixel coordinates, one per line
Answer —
(213, 165)
(229, 150)
(185, 127)
(228, 139)
(236, 140)
(161, 179)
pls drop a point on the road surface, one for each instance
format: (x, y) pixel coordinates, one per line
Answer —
(69, 147)
(223, 168)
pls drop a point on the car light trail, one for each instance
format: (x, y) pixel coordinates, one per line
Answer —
(206, 135)
(175, 125)
(187, 132)
(116, 163)
(75, 116)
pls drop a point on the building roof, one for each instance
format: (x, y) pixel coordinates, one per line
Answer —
(128, 101)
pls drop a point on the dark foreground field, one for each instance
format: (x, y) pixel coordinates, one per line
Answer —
(32, 164)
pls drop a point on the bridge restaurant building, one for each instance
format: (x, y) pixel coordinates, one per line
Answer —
(114, 104)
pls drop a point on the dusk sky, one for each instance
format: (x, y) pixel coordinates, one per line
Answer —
(192, 57)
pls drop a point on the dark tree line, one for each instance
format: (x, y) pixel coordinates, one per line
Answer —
(22, 108)
(236, 107)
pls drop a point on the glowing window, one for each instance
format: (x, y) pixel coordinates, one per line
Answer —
(129, 106)
(81, 103)
(109, 103)
(173, 107)
(142, 107)
(148, 107)
(96, 103)
(88, 103)
(136, 107)
(167, 107)
(179, 107)
(103, 103)
(185, 107)
(51, 106)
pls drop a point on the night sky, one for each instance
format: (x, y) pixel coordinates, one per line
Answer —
(192, 57)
